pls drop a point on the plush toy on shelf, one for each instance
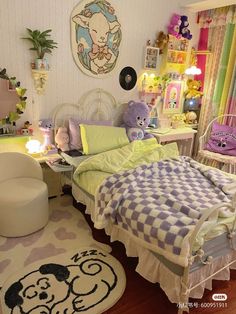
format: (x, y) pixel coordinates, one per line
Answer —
(173, 27)
(136, 119)
(161, 41)
(62, 139)
(193, 89)
(183, 29)
(191, 117)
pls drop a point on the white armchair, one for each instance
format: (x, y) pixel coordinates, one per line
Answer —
(23, 195)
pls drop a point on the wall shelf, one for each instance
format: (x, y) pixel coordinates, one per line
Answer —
(40, 77)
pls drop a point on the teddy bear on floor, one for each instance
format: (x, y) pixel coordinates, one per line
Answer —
(183, 29)
(136, 119)
(173, 27)
(62, 139)
(193, 89)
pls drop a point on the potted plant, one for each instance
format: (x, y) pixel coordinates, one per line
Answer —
(42, 44)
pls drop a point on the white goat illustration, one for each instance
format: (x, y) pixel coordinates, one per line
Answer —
(99, 28)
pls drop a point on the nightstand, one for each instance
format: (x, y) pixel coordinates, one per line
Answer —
(183, 136)
(52, 178)
(63, 171)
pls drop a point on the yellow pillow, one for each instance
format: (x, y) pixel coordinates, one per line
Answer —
(98, 138)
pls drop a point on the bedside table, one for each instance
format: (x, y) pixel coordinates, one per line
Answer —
(183, 136)
(50, 177)
(61, 171)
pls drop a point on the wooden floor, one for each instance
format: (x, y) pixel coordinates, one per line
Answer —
(143, 297)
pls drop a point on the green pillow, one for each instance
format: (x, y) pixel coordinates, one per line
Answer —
(99, 138)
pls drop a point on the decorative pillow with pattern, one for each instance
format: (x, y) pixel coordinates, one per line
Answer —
(222, 139)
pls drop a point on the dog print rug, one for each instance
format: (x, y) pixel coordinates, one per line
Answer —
(85, 280)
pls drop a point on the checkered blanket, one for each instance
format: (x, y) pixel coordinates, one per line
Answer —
(160, 203)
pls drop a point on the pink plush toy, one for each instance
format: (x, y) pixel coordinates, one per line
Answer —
(174, 25)
(62, 139)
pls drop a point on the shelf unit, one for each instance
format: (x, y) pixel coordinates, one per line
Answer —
(177, 55)
(40, 77)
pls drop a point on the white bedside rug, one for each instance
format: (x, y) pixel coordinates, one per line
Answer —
(66, 230)
(87, 280)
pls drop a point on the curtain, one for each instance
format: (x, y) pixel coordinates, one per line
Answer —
(219, 68)
(224, 72)
(231, 101)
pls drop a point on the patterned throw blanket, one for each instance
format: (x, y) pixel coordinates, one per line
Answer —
(160, 203)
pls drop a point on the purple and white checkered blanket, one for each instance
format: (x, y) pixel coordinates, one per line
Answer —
(160, 203)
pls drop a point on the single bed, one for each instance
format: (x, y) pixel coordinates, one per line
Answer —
(212, 249)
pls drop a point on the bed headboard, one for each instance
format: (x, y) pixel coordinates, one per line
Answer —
(96, 104)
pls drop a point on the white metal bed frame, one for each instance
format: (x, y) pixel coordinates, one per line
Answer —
(97, 105)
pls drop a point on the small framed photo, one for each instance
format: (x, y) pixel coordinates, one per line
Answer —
(151, 58)
(173, 98)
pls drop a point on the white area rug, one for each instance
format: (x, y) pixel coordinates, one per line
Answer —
(67, 234)
(86, 280)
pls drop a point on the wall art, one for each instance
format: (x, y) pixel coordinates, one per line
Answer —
(173, 98)
(95, 37)
(151, 58)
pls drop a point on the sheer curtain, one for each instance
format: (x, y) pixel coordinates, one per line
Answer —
(217, 34)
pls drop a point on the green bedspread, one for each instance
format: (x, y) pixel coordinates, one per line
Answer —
(130, 156)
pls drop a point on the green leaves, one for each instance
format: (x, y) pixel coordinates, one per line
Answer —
(41, 42)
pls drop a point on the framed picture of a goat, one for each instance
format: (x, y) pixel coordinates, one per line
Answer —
(95, 37)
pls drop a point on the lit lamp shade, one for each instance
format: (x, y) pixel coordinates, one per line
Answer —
(33, 147)
(193, 70)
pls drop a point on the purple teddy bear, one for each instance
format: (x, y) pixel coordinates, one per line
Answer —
(136, 120)
(183, 29)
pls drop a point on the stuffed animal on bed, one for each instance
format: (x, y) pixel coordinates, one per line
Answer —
(136, 119)
(62, 139)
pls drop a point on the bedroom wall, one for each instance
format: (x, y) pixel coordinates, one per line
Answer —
(140, 20)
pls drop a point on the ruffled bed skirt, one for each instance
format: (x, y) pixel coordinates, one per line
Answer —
(155, 271)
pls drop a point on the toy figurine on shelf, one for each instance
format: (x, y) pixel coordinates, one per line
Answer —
(46, 126)
(26, 130)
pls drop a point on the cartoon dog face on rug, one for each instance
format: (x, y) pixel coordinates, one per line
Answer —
(38, 289)
(77, 287)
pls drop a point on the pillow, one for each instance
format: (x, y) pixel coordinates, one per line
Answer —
(74, 130)
(97, 138)
(222, 139)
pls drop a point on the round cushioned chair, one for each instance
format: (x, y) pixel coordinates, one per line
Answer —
(23, 195)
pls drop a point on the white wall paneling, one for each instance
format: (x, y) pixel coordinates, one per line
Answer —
(140, 20)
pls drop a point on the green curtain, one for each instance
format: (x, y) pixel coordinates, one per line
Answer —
(223, 67)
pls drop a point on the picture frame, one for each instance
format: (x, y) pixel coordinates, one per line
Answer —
(173, 98)
(151, 58)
